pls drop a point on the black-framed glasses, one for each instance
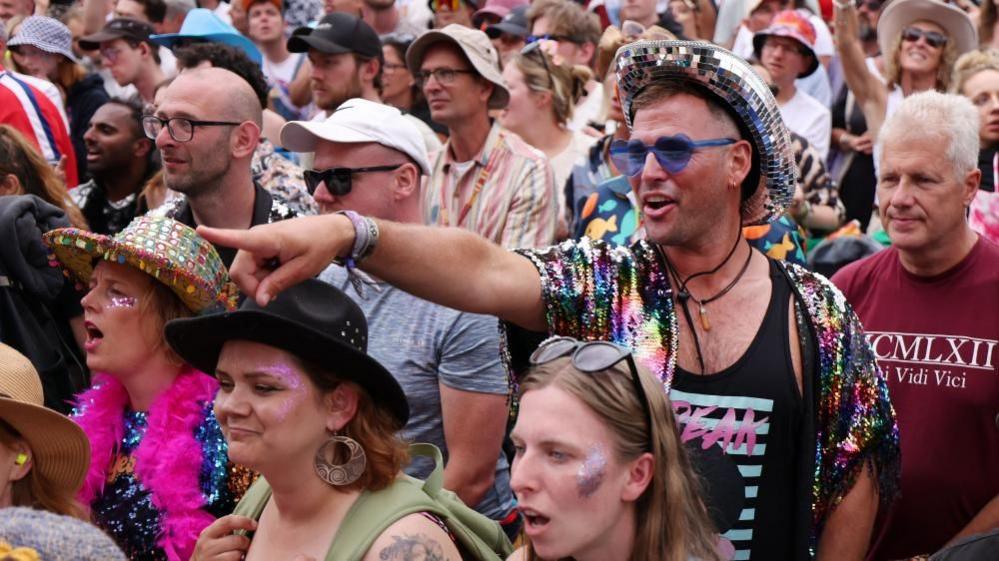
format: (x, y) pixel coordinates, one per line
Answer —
(444, 76)
(181, 129)
(933, 39)
(339, 181)
(590, 357)
(672, 152)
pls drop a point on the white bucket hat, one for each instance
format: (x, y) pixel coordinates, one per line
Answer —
(478, 49)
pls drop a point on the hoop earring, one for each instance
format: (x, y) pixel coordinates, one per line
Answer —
(339, 475)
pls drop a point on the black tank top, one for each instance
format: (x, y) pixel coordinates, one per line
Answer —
(753, 411)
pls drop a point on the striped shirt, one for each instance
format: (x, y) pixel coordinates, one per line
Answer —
(506, 193)
(28, 110)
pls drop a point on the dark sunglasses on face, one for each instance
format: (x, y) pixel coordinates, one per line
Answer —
(672, 152)
(444, 5)
(872, 5)
(339, 181)
(934, 39)
(592, 357)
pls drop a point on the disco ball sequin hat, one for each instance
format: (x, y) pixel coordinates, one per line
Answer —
(734, 85)
(161, 247)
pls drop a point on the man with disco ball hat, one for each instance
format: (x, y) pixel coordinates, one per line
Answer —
(761, 359)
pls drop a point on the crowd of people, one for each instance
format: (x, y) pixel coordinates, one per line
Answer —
(684, 280)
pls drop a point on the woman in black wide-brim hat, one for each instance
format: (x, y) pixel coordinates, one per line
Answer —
(302, 403)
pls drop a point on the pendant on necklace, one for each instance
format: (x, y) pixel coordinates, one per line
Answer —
(704, 318)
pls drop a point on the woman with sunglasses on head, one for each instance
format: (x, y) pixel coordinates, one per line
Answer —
(920, 41)
(599, 471)
(45, 48)
(303, 403)
(542, 97)
(159, 470)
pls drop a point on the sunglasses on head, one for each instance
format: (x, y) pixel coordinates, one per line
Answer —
(590, 357)
(535, 49)
(548, 37)
(672, 152)
(339, 181)
(934, 39)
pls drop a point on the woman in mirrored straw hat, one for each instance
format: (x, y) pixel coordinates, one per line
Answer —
(159, 470)
(599, 470)
(303, 403)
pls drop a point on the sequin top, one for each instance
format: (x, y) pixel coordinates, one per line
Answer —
(125, 509)
(592, 290)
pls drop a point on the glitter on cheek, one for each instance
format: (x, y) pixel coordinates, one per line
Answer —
(119, 302)
(292, 380)
(592, 472)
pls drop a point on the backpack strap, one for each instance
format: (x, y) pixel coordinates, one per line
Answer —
(253, 501)
(372, 513)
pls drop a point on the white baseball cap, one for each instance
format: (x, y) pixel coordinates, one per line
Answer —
(360, 120)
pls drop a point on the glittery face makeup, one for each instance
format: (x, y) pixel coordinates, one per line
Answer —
(120, 301)
(291, 379)
(591, 472)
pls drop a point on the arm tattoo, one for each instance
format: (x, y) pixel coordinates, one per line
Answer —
(413, 547)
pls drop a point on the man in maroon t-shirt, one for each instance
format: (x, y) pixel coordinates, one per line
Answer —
(930, 307)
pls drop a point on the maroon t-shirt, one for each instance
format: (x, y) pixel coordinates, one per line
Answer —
(935, 338)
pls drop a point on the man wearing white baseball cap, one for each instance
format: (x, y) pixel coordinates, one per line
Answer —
(447, 362)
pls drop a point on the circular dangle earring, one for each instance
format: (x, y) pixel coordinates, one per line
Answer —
(346, 473)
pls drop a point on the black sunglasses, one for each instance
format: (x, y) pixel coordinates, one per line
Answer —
(535, 47)
(338, 180)
(934, 39)
(590, 357)
(872, 5)
(550, 37)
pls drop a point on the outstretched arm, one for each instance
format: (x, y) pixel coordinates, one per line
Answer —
(450, 266)
(871, 95)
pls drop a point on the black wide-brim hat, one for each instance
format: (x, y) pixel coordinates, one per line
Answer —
(312, 320)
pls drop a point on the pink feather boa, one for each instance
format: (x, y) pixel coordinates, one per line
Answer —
(168, 460)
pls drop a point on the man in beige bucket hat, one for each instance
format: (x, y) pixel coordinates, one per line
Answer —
(485, 179)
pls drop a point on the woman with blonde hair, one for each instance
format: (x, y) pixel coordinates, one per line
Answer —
(600, 471)
(23, 171)
(976, 76)
(543, 94)
(45, 50)
(920, 41)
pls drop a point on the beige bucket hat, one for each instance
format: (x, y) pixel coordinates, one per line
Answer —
(478, 49)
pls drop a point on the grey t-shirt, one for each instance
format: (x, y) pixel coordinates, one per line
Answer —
(423, 345)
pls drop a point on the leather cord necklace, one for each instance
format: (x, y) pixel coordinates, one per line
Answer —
(683, 294)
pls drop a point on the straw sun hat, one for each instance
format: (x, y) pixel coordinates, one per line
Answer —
(60, 451)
